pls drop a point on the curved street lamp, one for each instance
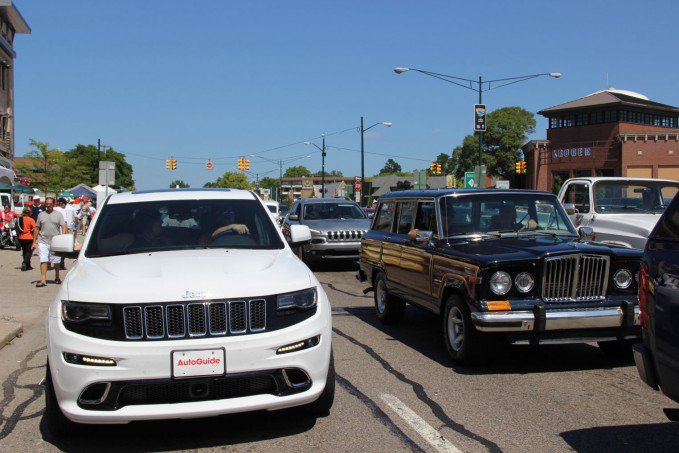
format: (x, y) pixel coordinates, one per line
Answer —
(469, 84)
(383, 123)
(322, 163)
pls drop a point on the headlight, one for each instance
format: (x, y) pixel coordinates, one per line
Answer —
(524, 282)
(300, 300)
(500, 283)
(79, 312)
(622, 278)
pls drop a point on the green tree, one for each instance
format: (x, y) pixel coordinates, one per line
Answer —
(390, 167)
(269, 183)
(231, 179)
(334, 173)
(296, 172)
(508, 130)
(85, 157)
(179, 183)
(43, 167)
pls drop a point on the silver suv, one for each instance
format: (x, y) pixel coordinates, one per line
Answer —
(337, 226)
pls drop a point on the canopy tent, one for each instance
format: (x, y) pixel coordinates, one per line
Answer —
(6, 178)
(21, 189)
(82, 190)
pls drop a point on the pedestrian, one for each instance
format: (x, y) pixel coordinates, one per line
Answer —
(69, 211)
(77, 215)
(6, 217)
(26, 227)
(87, 205)
(50, 223)
(37, 207)
(62, 207)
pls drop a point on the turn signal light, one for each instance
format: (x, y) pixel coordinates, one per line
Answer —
(308, 343)
(499, 305)
(78, 359)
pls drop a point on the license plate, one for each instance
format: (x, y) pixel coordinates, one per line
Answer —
(206, 362)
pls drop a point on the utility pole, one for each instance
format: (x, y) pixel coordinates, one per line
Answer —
(323, 169)
(360, 200)
(96, 169)
(481, 141)
(280, 179)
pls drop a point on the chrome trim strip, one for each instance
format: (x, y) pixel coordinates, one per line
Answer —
(575, 277)
(146, 320)
(556, 320)
(97, 401)
(141, 322)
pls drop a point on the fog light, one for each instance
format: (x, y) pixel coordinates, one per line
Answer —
(308, 343)
(78, 359)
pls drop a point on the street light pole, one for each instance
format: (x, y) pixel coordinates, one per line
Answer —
(456, 81)
(363, 129)
(323, 169)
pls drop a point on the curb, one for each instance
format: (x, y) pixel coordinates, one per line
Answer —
(9, 330)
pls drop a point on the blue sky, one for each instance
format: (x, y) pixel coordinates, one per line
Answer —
(219, 79)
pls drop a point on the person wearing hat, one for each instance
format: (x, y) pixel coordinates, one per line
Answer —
(37, 208)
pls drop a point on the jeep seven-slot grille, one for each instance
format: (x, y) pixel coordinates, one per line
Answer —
(345, 235)
(575, 278)
(195, 319)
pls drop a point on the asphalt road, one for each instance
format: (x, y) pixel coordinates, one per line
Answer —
(397, 390)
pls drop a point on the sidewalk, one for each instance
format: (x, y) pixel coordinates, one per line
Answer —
(22, 305)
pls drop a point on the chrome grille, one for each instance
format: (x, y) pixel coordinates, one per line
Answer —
(345, 235)
(195, 319)
(575, 277)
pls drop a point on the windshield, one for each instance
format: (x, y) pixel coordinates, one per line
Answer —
(324, 211)
(272, 209)
(181, 224)
(492, 213)
(630, 197)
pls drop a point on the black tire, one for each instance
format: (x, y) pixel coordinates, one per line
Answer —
(321, 407)
(57, 423)
(619, 349)
(389, 308)
(463, 341)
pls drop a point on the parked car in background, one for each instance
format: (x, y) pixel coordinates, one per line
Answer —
(499, 264)
(657, 358)
(337, 226)
(207, 316)
(273, 207)
(622, 211)
(370, 212)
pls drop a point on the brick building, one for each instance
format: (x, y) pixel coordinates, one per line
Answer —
(294, 188)
(11, 23)
(607, 133)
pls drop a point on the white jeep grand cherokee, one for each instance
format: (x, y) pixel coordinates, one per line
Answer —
(182, 304)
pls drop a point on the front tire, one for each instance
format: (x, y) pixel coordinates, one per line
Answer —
(321, 407)
(463, 341)
(57, 423)
(390, 309)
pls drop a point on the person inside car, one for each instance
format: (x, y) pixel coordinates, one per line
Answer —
(228, 223)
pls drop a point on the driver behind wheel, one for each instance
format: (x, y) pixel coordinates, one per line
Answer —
(229, 225)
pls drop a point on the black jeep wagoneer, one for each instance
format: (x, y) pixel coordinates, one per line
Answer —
(499, 263)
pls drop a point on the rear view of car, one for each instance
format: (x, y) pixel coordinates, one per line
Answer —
(657, 358)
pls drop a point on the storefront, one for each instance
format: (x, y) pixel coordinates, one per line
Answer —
(607, 133)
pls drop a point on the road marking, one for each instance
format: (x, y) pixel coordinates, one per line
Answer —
(424, 429)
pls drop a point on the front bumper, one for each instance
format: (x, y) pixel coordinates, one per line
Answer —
(333, 250)
(568, 319)
(148, 363)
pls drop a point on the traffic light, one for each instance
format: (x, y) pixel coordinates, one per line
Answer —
(524, 166)
(517, 168)
(432, 168)
(174, 164)
(247, 164)
(168, 164)
(438, 169)
(241, 164)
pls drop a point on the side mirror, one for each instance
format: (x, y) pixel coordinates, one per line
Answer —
(64, 245)
(570, 208)
(586, 233)
(299, 235)
(293, 217)
(423, 237)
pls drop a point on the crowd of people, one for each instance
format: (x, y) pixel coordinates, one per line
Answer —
(39, 223)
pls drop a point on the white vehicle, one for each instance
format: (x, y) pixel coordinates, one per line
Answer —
(178, 321)
(622, 211)
(274, 209)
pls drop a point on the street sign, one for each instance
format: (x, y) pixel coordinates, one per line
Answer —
(469, 180)
(209, 165)
(479, 117)
(502, 184)
(107, 173)
(357, 184)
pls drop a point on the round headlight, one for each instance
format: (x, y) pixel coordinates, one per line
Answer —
(500, 283)
(524, 282)
(622, 278)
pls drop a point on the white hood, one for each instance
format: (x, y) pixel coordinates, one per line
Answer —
(168, 276)
(631, 229)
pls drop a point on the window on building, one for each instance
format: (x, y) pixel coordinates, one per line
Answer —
(595, 117)
(568, 121)
(582, 119)
(553, 122)
(610, 116)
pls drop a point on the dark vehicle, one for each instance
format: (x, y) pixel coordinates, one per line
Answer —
(657, 358)
(337, 226)
(499, 264)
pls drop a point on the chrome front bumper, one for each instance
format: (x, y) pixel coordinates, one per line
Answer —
(518, 321)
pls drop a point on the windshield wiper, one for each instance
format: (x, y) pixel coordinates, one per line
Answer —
(115, 253)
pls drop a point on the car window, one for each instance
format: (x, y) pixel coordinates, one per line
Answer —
(668, 225)
(406, 217)
(325, 211)
(632, 197)
(128, 228)
(385, 216)
(578, 194)
(425, 219)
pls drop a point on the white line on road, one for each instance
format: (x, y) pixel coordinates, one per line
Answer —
(416, 422)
